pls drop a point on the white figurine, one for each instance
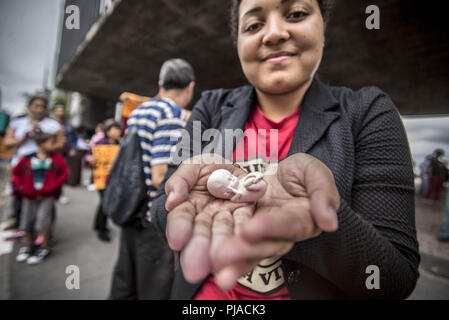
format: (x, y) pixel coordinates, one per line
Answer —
(224, 185)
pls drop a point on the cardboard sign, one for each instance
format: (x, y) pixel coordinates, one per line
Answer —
(105, 155)
(131, 102)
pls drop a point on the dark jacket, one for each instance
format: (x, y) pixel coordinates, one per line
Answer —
(22, 178)
(360, 137)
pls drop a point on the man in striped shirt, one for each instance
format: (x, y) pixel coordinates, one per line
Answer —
(143, 253)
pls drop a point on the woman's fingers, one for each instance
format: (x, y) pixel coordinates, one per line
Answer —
(222, 228)
(180, 225)
(195, 256)
(180, 183)
(323, 212)
(241, 216)
(323, 194)
(305, 176)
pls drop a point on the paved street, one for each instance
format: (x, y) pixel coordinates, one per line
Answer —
(77, 244)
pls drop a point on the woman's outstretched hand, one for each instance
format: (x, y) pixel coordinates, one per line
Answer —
(301, 202)
(229, 238)
(197, 222)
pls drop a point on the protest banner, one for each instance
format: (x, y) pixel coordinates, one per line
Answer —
(105, 155)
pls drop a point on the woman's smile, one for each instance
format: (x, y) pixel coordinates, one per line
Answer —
(278, 57)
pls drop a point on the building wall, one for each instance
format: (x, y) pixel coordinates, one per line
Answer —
(72, 38)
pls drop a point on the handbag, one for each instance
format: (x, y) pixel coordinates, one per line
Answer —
(125, 196)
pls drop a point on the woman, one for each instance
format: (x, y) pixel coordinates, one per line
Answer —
(357, 165)
(19, 138)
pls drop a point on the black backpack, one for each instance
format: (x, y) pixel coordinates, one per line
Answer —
(125, 198)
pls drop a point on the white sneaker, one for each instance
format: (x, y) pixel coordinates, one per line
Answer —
(24, 254)
(63, 200)
(40, 255)
(91, 187)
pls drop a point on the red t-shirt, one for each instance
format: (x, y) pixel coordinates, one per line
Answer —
(253, 152)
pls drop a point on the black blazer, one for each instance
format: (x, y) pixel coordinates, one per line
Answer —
(360, 137)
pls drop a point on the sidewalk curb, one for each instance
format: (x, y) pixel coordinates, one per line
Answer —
(435, 265)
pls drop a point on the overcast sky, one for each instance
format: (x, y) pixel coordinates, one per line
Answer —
(28, 33)
(28, 36)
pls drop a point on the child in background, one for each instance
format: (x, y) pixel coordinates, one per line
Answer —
(39, 178)
(99, 134)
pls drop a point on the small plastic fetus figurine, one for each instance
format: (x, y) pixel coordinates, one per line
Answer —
(224, 185)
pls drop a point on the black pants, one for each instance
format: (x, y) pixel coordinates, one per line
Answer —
(144, 269)
(101, 220)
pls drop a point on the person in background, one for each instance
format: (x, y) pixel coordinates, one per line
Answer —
(19, 136)
(59, 113)
(98, 135)
(39, 178)
(113, 135)
(144, 266)
(424, 174)
(71, 137)
(438, 174)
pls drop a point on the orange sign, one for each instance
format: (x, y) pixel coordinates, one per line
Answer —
(105, 155)
(130, 102)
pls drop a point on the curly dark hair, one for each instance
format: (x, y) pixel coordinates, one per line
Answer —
(325, 8)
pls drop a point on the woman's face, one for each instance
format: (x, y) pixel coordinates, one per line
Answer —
(280, 43)
(37, 109)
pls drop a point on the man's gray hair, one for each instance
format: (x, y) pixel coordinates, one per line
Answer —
(176, 74)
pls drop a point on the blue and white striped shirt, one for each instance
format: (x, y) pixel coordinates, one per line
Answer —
(159, 122)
